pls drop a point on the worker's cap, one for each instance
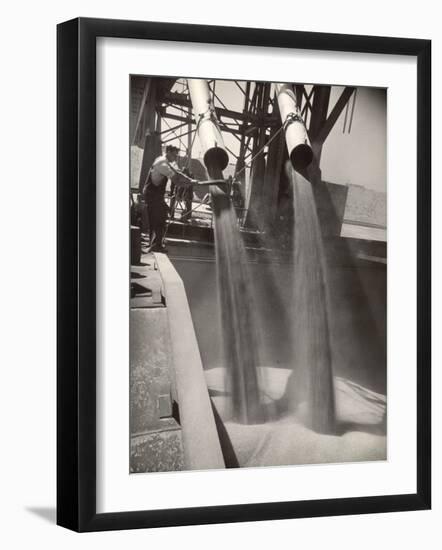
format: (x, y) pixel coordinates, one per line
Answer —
(172, 149)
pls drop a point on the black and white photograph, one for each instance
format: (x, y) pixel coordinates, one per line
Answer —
(220, 292)
(258, 274)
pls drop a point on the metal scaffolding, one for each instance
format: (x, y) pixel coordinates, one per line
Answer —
(162, 114)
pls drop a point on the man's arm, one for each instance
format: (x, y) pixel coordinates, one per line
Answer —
(182, 179)
(171, 171)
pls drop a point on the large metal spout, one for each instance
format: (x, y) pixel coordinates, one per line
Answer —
(215, 155)
(298, 144)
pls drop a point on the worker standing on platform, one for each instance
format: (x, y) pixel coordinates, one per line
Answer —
(163, 168)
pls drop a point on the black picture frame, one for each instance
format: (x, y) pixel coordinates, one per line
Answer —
(76, 273)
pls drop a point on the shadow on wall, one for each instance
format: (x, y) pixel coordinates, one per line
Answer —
(357, 293)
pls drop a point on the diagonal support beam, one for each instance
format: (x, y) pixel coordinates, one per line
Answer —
(334, 115)
(319, 110)
(138, 133)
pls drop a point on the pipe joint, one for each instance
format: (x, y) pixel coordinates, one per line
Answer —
(293, 117)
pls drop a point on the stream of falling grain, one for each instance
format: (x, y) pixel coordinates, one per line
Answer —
(238, 315)
(312, 350)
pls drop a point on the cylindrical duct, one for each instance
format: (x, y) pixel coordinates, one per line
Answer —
(298, 144)
(215, 155)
